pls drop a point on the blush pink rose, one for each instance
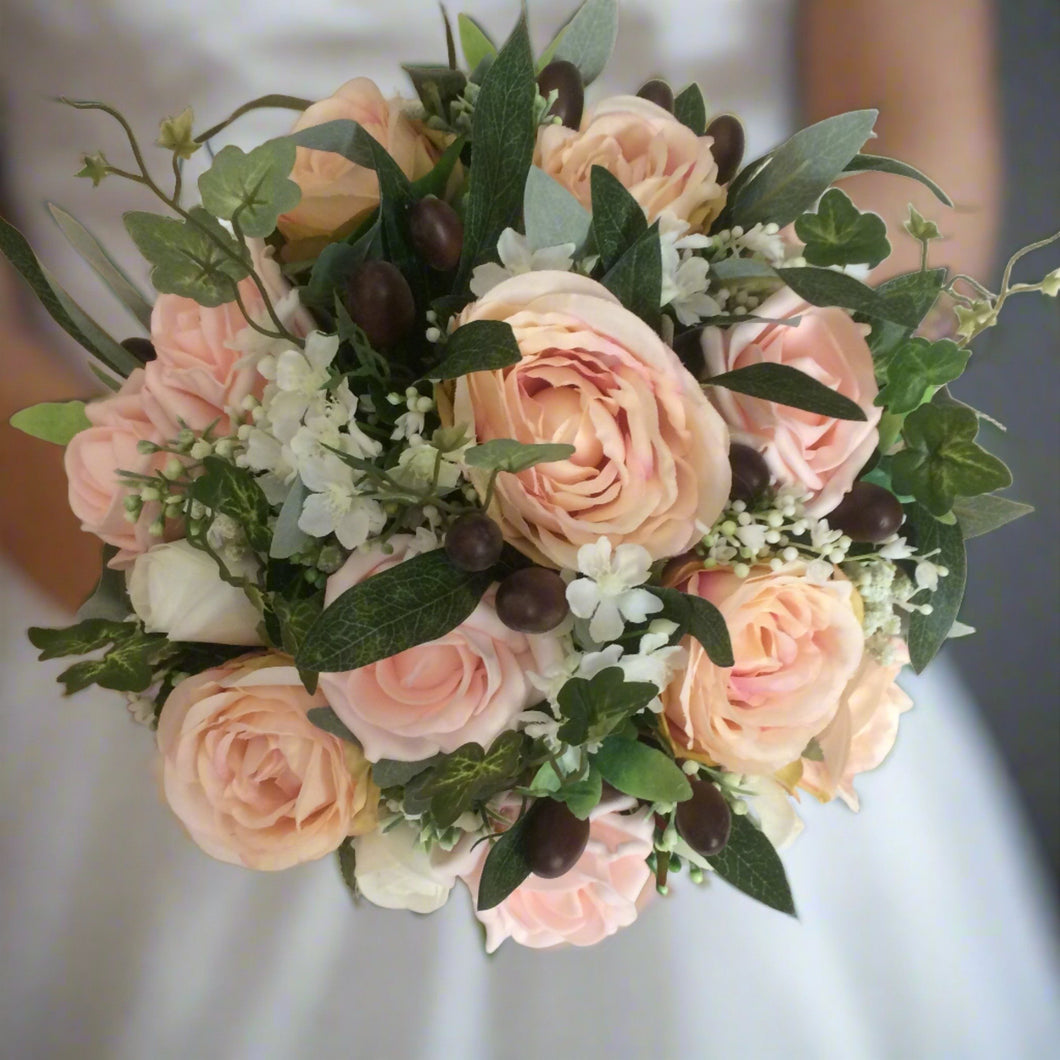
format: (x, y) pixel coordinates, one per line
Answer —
(251, 778)
(817, 452)
(199, 370)
(468, 686)
(336, 193)
(604, 891)
(659, 161)
(863, 731)
(650, 459)
(93, 459)
(796, 645)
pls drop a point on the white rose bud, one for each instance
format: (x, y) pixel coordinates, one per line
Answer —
(177, 589)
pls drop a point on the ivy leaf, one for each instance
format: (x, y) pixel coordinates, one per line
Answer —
(506, 865)
(636, 278)
(52, 421)
(750, 863)
(942, 460)
(417, 601)
(641, 771)
(87, 636)
(920, 228)
(251, 189)
(979, 515)
(502, 136)
(587, 40)
(914, 369)
(233, 491)
(690, 109)
(840, 234)
(478, 346)
(593, 707)
(506, 454)
(617, 219)
(174, 134)
(296, 618)
(551, 214)
(927, 633)
(197, 259)
(469, 775)
(788, 386)
(698, 618)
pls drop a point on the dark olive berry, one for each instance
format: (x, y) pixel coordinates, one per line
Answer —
(659, 93)
(750, 474)
(554, 839)
(437, 233)
(474, 542)
(867, 513)
(380, 301)
(532, 600)
(142, 349)
(728, 145)
(704, 820)
(566, 79)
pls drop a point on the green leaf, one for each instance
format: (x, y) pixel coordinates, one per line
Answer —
(60, 306)
(436, 86)
(840, 234)
(174, 134)
(916, 368)
(919, 291)
(799, 171)
(636, 278)
(388, 773)
(87, 636)
(551, 214)
(197, 259)
(296, 617)
(287, 538)
(326, 719)
(919, 228)
(593, 707)
(788, 386)
(826, 287)
(100, 261)
(347, 859)
(506, 865)
(273, 99)
(252, 190)
(581, 796)
(478, 346)
(109, 599)
(617, 219)
(927, 633)
(436, 181)
(690, 109)
(979, 515)
(587, 40)
(52, 421)
(233, 491)
(414, 602)
(641, 771)
(698, 618)
(502, 146)
(474, 41)
(877, 163)
(942, 460)
(469, 775)
(750, 863)
(506, 454)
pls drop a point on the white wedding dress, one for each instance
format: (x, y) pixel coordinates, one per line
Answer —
(924, 930)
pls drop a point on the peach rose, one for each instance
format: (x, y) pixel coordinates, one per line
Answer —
(200, 370)
(604, 891)
(95, 456)
(817, 452)
(651, 454)
(336, 193)
(251, 778)
(862, 733)
(468, 686)
(660, 162)
(796, 644)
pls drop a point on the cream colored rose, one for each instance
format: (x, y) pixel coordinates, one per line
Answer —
(817, 452)
(336, 193)
(659, 161)
(796, 645)
(251, 778)
(863, 731)
(650, 458)
(177, 589)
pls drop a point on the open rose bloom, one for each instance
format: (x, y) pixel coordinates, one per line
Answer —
(485, 507)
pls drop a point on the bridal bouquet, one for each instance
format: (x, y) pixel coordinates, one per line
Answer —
(517, 492)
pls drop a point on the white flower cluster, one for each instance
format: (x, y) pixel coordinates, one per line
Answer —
(685, 280)
(517, 258)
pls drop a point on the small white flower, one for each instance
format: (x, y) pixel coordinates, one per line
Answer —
(335, 506)
(607, 595)
(516, 259)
